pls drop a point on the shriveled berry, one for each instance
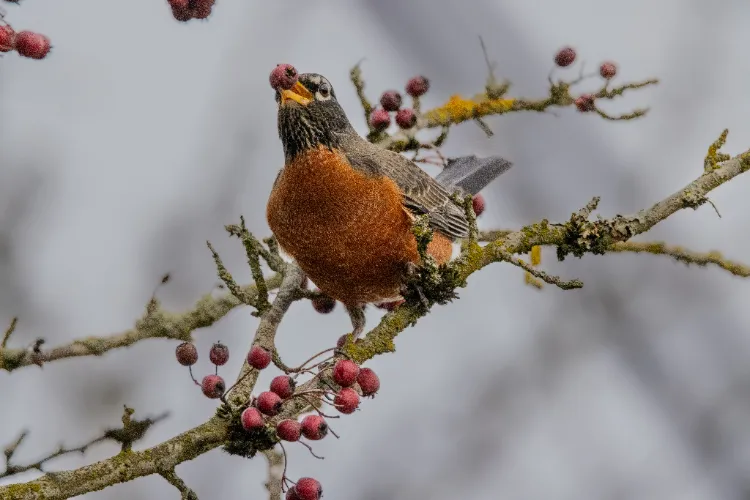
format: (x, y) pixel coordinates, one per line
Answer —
(314, 427)
(368, 382)
(323, 303)
(289, 430)
(201, 9)
(251, 419)
(380, 119)
(179, 4)
(406, 118)
(477, 203)
(283, 385)
(341, 341)
(269, 403)
(7, 35)
(182, 14)
(565, 56)
(346, 400)
(32, 45)
(219, 354)
(258, 357)
(283, 76)
(187, 354)
(608, 70)
(291, 494)
(308, 489)
(417, 86)
(345, 372)
(585, 103)
(390, 306)
(390, 100)
(213, 386)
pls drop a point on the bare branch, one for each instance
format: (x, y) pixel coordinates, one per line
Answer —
(158, 324)
(173, 479)
(552, 280)
(275, 473)
(683, 255)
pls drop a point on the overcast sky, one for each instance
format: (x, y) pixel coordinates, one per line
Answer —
(138, 138)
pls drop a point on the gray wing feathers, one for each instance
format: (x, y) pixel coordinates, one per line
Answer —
(422, 193)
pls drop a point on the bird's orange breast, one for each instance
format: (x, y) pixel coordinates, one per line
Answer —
(349, 232)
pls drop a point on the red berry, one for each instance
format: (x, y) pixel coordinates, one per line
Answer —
(585, 103)
(477, 204)
(283, 385)
(346, 400)
(345, 372)
(269, 403)
(32, 45)
(406, 118)
(390, 306)
(291, 494)
(289, 430)
(251, 419)
(7, 36)
(565, 56)
(201, 9)
(213, 386)
(308, 489)
(187, 354)
(368, 381)
(417, 86)
(323, 303)
(608, 70)
(258, 357)
(219, 354)
(283, 76)
(380, 119)
(182, 14)
(390, 100)
(314, 427)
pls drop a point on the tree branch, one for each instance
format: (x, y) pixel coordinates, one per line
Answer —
(156, 324)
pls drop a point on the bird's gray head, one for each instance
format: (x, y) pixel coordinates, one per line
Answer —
(310, 116)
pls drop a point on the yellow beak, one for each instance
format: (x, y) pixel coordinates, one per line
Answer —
(298, 93)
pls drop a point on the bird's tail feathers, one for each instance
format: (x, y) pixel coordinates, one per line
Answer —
(472, 174)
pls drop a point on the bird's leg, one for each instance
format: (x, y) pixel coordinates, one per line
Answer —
(357, 315)
(411, 270)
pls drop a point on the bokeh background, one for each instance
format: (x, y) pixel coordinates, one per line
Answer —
(140, 137)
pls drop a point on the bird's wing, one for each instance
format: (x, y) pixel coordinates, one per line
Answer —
(422, 193)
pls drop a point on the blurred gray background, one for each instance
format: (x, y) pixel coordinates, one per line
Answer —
(140, 137)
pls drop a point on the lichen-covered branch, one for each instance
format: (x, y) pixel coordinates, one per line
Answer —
(156, 323)
(123, 467)
(680, 254)
(275, 473)
(577, 236)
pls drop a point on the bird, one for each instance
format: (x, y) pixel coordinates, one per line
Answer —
(343, 207)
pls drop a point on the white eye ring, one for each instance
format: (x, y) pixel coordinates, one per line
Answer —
(324, 91)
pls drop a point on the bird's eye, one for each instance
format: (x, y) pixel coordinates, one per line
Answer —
(324, 89)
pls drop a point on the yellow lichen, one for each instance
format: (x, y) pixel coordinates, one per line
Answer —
(459, 109)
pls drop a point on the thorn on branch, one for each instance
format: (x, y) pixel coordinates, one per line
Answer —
(228, 280)
(714, 157)
(355, 75)
(552, 280)
(9, 331)
(254, 250)
(132, 430)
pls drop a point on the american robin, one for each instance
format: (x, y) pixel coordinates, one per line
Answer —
(343, 207)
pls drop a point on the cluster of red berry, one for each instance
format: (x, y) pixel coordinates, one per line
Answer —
(346, 374)
(26, 43)
(185, 10)
(390, 100)
(607, 70)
